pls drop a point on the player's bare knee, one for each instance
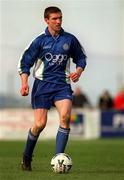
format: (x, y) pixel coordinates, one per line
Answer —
(37, 128)
(65, 121)
(40, 126)
(65, 117)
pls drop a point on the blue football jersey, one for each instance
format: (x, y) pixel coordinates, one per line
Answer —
(51, 57)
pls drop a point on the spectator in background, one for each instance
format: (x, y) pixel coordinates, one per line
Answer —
(119, 100)
(80, 100)
(105, 101)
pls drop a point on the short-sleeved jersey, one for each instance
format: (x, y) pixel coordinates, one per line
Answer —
(51, 57)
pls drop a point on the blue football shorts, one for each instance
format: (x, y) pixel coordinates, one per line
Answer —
(44, 94)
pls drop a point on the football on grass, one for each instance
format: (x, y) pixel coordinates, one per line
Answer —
(61, 163)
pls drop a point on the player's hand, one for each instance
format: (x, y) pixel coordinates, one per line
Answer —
(74, 76)
(24, 90)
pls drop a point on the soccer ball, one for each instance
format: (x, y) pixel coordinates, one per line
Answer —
(61, 163)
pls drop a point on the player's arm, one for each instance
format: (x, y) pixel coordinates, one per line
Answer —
(25, 63)
(79, 58)
(74, 76)
(24, 84)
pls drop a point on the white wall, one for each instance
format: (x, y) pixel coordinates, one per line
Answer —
(15, 124)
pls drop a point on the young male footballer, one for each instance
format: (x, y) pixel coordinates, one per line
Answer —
(50, 54)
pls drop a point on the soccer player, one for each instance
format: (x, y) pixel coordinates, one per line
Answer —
(50, 53)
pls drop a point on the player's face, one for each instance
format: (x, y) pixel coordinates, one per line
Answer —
(54, 21)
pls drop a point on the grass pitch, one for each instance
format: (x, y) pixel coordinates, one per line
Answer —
(92, 160)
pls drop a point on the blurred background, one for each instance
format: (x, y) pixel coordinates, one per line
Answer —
(99, 26)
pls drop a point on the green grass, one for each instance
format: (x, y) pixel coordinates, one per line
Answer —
(92, 160)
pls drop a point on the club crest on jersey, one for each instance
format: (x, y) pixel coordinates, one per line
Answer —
(65, 46)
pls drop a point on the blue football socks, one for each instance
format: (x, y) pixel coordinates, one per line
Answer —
(61, 139)
(30, 145)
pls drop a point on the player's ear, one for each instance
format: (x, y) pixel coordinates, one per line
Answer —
(47, 20)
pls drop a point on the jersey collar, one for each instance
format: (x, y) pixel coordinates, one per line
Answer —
(48, 33)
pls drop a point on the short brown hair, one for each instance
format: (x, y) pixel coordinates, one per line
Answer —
(51, 9)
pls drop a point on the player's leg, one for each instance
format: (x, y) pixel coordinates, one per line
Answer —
(64, 109)
(40, 119)
(40, 100)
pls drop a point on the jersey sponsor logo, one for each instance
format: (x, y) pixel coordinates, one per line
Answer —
(65, 46)
(55, 58)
